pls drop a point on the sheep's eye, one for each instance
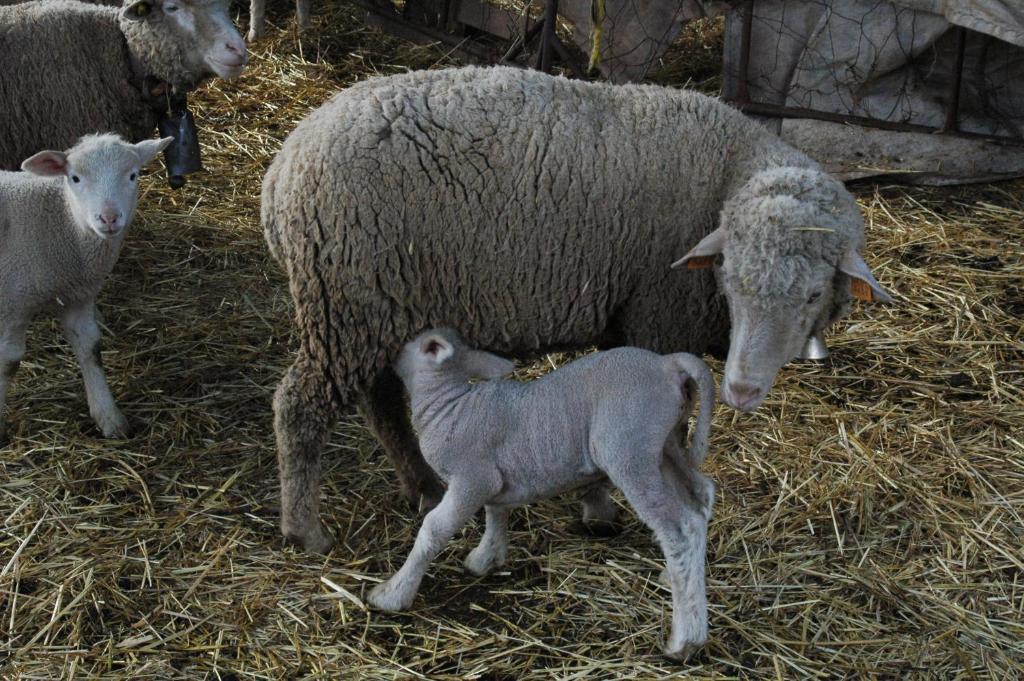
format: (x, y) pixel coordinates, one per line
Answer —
(170, 8)
(75, 179)
(132, 177)
(814, 297)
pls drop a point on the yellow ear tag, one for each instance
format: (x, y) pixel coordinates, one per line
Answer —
(701, 262)
(861, 290)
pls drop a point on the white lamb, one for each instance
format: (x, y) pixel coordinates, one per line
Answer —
(608, 416)
(62, 223)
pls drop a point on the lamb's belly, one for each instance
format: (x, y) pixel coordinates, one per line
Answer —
(543, 477)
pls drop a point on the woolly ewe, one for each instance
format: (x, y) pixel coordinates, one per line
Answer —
(534, 212)
(70, 68)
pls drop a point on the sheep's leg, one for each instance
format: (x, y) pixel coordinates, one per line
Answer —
(458, 505)
(682, 533)
(302, 14)
(599, 511)
(384, 408)
(12, 349)
(492, 550)
(83, 333)
(257, 10)
(304, 415)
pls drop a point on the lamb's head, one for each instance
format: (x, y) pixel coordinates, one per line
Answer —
(441, 355)
(183, 41)
(101, 175)
(789, 265)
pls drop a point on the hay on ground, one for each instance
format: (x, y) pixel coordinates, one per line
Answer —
(869, 517)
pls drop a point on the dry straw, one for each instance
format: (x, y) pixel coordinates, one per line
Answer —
(869, 521)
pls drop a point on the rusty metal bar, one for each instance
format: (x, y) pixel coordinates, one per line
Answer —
(743, 78)
(794, 112)
(953, 103)
(547, 35)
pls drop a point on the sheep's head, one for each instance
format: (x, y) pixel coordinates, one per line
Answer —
(184, 41)
(101, 179)
(789, 265)
(441, 353)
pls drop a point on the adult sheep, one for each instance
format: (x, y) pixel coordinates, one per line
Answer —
(533, 212)
(71, 68)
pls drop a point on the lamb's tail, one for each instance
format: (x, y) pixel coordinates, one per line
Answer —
(698, 376)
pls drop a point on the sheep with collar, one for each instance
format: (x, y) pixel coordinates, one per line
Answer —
(500, 444)
(62, 223)
(532, 213)
(71, 68)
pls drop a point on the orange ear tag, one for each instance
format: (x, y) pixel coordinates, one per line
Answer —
(701, 262)
(861, 290)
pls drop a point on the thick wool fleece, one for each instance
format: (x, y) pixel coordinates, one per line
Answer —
(527, 211)
(67, 72)
(795, 220)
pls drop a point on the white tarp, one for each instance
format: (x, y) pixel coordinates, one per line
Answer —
(892, 61)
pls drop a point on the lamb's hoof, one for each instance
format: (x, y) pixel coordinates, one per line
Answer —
(253, 35)
(113, 425)
(385, 596)
(684, 652)
(314, 541)
(664, 579)
(481, 563)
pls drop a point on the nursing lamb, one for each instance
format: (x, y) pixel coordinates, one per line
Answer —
(532, 213)
(62, 223)
(500, 444)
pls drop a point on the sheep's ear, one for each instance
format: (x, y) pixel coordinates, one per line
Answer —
(436, 348)
(148, 149)
(487, 366)
(46, 164)
(139, 10)
(863, 284)
(703, 255)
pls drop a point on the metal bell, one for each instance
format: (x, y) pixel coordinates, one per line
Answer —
(182, 156)
(815, 347)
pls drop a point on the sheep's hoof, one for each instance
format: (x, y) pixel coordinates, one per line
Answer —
(385, 596)
(113, 425)
(664, 579)
(315, 541)
(600, 528)
(684, 652)
(428, 498)
(253, 35)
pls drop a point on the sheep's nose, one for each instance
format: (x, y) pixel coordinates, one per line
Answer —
(109, 217)
(742, 396)
(237, 48)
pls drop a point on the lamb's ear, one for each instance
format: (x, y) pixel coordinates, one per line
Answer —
(487, 366)
(46, 164)
(863, 284)
(139, 10)
(148, 149)
(436, 348)
(703, 255)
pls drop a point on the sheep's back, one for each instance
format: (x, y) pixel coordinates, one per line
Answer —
(66, 74)
(523, 210)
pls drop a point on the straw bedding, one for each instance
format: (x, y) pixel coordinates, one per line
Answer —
(869, 520)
